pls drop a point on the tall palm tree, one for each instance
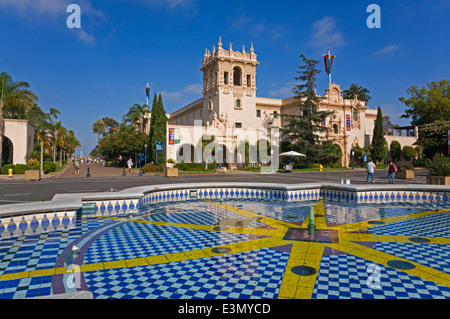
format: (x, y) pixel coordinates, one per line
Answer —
(61, 142)
(72, 143)
(135, 116)
(99, 127)
(15, 99)
(55, 129)
(355, 91)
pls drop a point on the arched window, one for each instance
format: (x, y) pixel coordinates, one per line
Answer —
(237, 76)
(238, 103)
(355, 114)
(335, 128)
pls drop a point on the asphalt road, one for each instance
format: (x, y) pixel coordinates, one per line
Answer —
(19, 191)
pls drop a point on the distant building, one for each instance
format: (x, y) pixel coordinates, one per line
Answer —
(230, 108)
(18, 141)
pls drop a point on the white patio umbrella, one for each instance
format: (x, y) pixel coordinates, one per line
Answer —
(292, 153)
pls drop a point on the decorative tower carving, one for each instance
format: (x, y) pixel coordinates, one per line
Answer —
(229, 82)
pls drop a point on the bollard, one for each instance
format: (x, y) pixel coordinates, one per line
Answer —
(124, 174)
(311, 226)
(10, 172)
(140, 171)
(88, 173)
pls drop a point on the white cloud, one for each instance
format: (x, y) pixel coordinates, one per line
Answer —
(326, 34)
(257, 26)
(23, 7)
(47, 8)
(282, 92)
(39, 10)
(387, 49)
(193, 89)
(168, 4)
(171, 96)
(84, 37)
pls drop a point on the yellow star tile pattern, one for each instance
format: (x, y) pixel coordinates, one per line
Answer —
(304, 253)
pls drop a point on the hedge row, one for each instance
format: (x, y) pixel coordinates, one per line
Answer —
(21, 168)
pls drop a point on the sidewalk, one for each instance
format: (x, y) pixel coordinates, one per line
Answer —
(95, 170)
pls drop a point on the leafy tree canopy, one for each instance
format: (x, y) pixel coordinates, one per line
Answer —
(427, 104)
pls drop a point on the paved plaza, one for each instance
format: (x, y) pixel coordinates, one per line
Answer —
(251, 245)
(17, 190)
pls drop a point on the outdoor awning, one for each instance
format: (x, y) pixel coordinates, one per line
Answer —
(292, 153)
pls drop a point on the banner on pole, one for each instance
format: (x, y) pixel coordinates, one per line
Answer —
(147, 91)
(328, 59)
(348, 122)
(174, 136)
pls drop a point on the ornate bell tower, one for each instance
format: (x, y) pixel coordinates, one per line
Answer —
(229, 85)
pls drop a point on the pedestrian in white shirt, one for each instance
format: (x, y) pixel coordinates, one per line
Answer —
(370, 171)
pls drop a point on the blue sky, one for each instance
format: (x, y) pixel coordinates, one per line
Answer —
(102, 69)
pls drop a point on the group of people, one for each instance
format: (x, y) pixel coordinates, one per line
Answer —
(76, 162)
(392, 169)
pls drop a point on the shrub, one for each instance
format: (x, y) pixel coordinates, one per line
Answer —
(440, 166)
(20, 169)
(152, 168)
(6, 167)
(47, 167)
(404, 165)
(33, 164)
(422, 162)
(50, 165)
(408, 152)
(193, 166)
(396, 150)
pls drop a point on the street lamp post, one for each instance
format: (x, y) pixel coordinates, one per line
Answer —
(353, 159)
(145, 153)
(41, 164)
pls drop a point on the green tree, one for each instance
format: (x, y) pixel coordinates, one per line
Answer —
(15, 96)
(99, 128)
(408, 152)
(331, 153)
(355, 91)
(396, 151)
(377, 148)
(208, 144)
(72, 143)
(111, 125)
(302, 131)
(359, 152)
(158, 126)
(433, 138)
(15, 100)
(121, 144)
(135, 116)
(427, 104)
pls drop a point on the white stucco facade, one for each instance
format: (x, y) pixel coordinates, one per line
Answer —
(20, 133)
(230, 107)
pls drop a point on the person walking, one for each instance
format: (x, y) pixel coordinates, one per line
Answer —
(77, 167)
(370, 171)
(130, 164)
(392, 169)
